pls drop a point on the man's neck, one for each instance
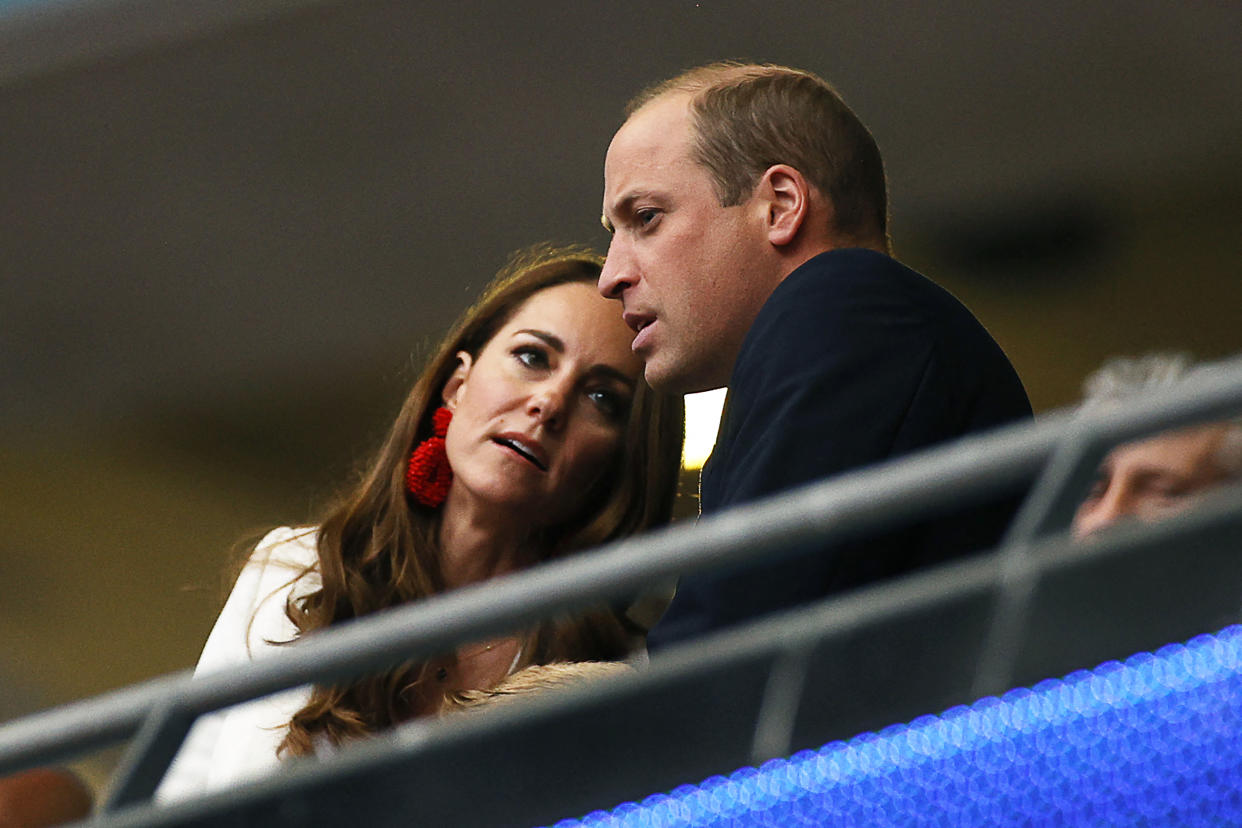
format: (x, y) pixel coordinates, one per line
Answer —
(795, 255)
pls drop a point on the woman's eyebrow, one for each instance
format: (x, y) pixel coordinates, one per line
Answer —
(552, 340)
(612, 373)
(557, 344)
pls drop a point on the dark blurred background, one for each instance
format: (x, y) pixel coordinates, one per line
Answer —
(229, 230)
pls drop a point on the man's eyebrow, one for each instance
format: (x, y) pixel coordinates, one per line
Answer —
(622, 207)
(1147, 474)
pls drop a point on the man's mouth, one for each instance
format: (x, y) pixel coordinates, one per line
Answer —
(637, 321)
(529, 451)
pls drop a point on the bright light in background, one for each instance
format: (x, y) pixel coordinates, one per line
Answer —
(702, 419)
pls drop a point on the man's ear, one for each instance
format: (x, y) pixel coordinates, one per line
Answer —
(787, 200)
(452, 388)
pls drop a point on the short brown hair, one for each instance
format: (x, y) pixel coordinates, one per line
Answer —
(748, 117)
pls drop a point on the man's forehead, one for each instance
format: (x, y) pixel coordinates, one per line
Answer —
(671, 106)
(646, 153)
(1187, 449)
(660, 126)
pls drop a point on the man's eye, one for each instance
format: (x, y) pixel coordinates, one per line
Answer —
(646, 216)
(1169, 490)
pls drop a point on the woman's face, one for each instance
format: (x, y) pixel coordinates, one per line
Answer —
(539, 414)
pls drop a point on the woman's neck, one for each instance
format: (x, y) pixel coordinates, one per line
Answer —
(477, 544)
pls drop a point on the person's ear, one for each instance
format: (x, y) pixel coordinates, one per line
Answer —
(452, 388)
(786, 198)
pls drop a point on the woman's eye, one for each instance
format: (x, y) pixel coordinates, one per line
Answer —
(609, 402)
(531, 357)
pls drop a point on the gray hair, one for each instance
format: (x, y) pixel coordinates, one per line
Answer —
(1120, 378)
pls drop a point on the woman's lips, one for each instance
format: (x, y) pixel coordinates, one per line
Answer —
(524, 447)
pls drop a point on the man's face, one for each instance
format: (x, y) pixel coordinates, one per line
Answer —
(1152, 479)
(691, 275)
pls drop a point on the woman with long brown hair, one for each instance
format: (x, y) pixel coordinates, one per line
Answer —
(530, 435)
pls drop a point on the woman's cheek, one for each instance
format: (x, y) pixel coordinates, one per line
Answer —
(604, 453)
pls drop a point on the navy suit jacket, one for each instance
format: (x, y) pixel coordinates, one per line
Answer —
(853, 359)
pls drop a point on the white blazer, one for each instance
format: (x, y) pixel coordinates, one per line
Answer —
(239, 743)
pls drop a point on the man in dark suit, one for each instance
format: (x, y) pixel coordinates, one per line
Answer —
(748, 211)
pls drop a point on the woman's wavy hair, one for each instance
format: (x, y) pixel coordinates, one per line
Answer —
(378, 548)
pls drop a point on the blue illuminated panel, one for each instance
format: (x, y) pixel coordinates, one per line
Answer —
(1155, 741)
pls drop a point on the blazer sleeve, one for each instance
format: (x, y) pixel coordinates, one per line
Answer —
(239, 742)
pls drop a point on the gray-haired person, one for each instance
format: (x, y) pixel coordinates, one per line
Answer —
(1159, 476)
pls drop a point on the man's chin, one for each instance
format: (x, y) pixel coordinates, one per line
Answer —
(661, 379)
(669, 380)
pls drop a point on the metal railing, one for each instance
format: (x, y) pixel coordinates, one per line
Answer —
(1063, 450)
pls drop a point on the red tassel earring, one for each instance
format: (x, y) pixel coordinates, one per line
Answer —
(429, 474)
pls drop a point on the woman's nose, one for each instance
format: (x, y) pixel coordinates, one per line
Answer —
(547, 404)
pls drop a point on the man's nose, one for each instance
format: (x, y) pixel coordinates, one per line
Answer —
(616, 276)
(1112, 507)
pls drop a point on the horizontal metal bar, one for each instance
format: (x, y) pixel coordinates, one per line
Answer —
(970, 470)
(796, 631)
(82, 726)
(849, 505)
